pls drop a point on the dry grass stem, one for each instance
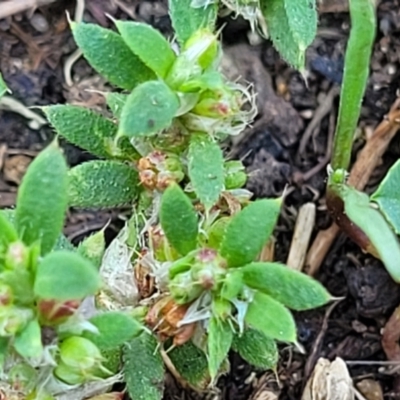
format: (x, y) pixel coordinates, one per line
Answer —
(301, 236)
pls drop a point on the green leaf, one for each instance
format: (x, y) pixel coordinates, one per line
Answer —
(186, 20)
(4, 349)
(83, 128)
(232, 285)
(292, 25)
(206, 168)
(249, 231)
(112, 360)
(371, 221)
(179, 219)
(28, 343)
(93, 248)
(63, 275)
(219, 340)
(100, 184)
(20, 281)
(42, 199)
(3, 86)
(257, 349)
(108, 54)
(271, 318)
(63, 244)
(115, 329)
(355, 79)
(387, 196)
(291, 288)
(149, 109)
(148, 44)
(216, 233)
(116, 102)
(191, 363)
(143, 368)
(8, 233)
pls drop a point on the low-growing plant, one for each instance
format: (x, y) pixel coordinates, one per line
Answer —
(182, 283)
(290, 24)
(371, 221)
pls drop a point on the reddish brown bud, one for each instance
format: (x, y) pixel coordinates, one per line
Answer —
(55, 312)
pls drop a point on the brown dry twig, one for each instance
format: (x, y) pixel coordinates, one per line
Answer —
(9, 8)
(367, 160)
(301, 236)
(320, 113)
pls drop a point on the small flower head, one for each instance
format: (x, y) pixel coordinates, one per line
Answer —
(14, 319)
(6, 295)
(17, 256)
(79, 361)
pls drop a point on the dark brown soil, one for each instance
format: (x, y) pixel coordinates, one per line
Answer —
(275, 152)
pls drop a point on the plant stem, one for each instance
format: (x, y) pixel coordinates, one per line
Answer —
(356, 71)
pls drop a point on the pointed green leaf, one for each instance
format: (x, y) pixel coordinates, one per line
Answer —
(206, 168)
(291, 288)
(143, 368)
(257, 349)
(101, 184)
(179, 219)
(42, 199)
(93, 248)
(63, 275)
(3, 86)
(219, 340)
(359, 210)
(28, 343)
(8, 233)
(63, 243)
(191, 363)
(115, 329)
(109, 55)
(116, 102)
(83, 128)
(148, 44)
(388, 196)
(249, 231)
(271, 318)
(303, 18)
(355, 79)
(149, 109)
(186, 20)
(292, 25)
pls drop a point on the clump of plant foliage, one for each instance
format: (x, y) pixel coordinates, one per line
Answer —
(181, 282)
(290, 24)
(371, 221)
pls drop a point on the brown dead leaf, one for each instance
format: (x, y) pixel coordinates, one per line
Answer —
(329, 381)
(370, 389)
(266, 388)
(15, 168)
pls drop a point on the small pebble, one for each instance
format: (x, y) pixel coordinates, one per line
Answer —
(391, 69)
(39, 22)
(307, 114)
(384, 26)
